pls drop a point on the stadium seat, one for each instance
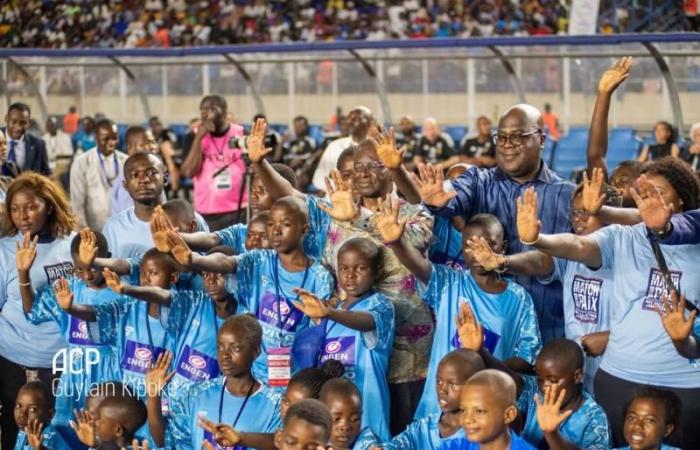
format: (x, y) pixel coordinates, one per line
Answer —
(570, 154)
(121, 132)
(550, 146)
(456, 132)
(622, 145)
(281, 128)
(316, 132)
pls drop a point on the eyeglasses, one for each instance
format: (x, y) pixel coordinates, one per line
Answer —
(515, 138)
(580, 214)
(369, 167)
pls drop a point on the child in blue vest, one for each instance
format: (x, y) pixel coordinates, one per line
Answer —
(651, 416)
(85, 362)
(33, 410)
(504, 308)
(359, 332)
(344, 401)
(430, 432)
(307, 426)
(267, 280)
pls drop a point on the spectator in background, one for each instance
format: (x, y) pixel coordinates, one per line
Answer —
(70, 121)
(84, 139)
(433, 147)
(693, 156)
(24, 151)
(664, 145)
(215, 163)
(189, 137)
(359, 122)
(58, 148)
(479, 150)
(551, 122)
(166, 141)
(300, 153)
(273, 139)
(93, 176)
(408, 139)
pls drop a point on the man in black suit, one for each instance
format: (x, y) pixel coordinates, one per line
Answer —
(24, 151)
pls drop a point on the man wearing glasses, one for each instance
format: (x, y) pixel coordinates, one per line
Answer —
(519, 142)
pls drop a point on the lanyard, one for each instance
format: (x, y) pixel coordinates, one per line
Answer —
(366, 295)
(219, 148)
(104, 171)
(280, 294)
(240, 411)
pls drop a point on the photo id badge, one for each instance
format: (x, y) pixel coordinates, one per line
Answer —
(279, 366)
(223, 180)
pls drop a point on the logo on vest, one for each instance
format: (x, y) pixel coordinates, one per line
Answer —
(656, 288)
(197, 366)
(58, 271)
(586, 295)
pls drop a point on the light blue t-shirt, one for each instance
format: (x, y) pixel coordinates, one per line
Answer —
(233, 236)
(587, 300)
(447, 244)
(365, 440)
(663, 447)
(587, 427)
(258, 414)
(51, 439)
(423, 434)
(319, 223)
(20, 341)
(639, 350)
(265, 288)
(128, 236)
(188, 281)
(135, 336)
(508, 319)
(76, 383)
(194, 325)
(365, 356)
(516, 443)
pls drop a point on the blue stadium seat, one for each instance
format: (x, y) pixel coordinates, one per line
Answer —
(281, 128)
(623, 145)
(121, 132)
(577, 133)
(317, 133)
(550, 146)
(456, 132)
(570, 154)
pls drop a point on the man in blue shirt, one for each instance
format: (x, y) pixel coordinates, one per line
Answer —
(519, 142)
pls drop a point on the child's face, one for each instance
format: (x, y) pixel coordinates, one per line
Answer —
(234, 351)
(88, 274)
(294, 394)
(356, 272)
(299, 434)
(256, 236)
(583, 222)
(347, 415)
(484, 418)
(144, 180)
(31, 405)
(107, 428)
(553, 374)
(451, 376)
(260, 200)
(645, 424)
(473, 231)
(622, 180)
(215, 283)
(285, 229)
(154, 272)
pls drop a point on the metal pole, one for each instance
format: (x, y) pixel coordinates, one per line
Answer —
(379, 85)
(257, 99)
(512, 75)
(139, 87)
(670, 85)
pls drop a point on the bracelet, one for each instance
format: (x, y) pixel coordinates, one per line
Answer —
(663, 233)
(530, 243)
(25, 284)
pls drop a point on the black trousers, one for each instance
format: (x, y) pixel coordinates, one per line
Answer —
(404, 401)
(613, 393)
(12, 378)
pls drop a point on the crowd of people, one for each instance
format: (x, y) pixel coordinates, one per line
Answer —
(401, 304)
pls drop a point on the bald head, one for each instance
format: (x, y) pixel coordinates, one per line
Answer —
(500, 385)
(519, 142)
(467, 362)
(431, 128)
(527, 114)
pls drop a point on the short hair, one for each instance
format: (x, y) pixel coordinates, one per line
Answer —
(499, 382)
(679, 175)
(249, 324)
(564, 351)
(223, 249)
(100, 243)
(259, 116)
(21, 107)
(612, 196)
(61, 220)
(301, 118)
(104, 123)
(296, 205)
(312, 379)
(165, 258)
(180, 208)
(215, 99)
(109, 389)
(313, 412)
(368, 248)
(631, 164)
(285, 172)
(673, 405)
(130, 412)
(139, 156)
(348, 153)
(261, 216)
(43, 390)
(132, 132)
(488, 221)
(340, 386)
(465, 358)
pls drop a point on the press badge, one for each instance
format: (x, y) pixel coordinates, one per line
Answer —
(279, 366)
(223, 180)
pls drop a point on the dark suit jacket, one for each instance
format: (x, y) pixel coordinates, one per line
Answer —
(36, 158)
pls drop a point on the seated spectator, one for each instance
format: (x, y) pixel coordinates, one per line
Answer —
(58, 148)
(408, 139)
(300, 152)
(664, 145)
(479, 150)
(693, 153)
(433, 146)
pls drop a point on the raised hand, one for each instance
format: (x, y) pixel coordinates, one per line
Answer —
(528, 223)
(113, 281)
(158, 376)
(34, 436)
(256, 141)
(223, 434)
(615, 75)
(206, 445)
(549, 415)
(651, 205)
(385, 144)
(310, 305)
(343, 206)
(673, 318)
(179, 249)
(160, 225)
(135, 445)
(88, 247)
(430, 186)
(388, 224)
(592, 195)
(26, 253)
(64, 296)
(470, 332)
(84, 427)
(483, 254)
